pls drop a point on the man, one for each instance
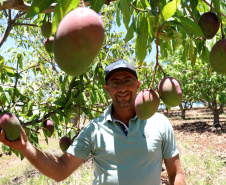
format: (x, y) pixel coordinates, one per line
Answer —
(125, 149)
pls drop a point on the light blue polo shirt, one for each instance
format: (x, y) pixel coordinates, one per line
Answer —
(135, 159)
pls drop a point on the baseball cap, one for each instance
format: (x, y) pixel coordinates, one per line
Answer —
(119, 66)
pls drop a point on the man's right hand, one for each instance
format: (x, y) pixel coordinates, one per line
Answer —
(19, 144)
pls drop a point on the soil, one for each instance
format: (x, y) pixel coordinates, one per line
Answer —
(197, 127)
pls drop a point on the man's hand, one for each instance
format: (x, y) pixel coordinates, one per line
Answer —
(19, 144)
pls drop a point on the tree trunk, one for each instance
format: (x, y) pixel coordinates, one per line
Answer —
(183, 113)
(216, 122)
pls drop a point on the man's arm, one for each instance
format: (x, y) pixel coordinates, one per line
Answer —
(174, 170)
(57, 168)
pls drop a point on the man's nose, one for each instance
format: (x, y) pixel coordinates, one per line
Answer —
(122, 86)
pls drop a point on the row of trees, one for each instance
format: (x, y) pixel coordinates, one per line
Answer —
(35, 89)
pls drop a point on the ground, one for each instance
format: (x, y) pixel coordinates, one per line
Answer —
(197, 129)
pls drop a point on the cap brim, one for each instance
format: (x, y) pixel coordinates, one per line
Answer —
(117, 70)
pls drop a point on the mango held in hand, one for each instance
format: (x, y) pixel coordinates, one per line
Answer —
(78, 40)
(170, 91)
(146, 103)
(11, 126)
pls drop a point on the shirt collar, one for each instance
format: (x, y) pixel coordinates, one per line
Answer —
(108, 114)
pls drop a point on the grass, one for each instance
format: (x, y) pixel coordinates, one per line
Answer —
(202, 168)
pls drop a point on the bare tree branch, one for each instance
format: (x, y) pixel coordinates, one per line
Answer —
(24, 24)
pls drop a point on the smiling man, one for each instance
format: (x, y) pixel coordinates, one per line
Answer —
(125, 149)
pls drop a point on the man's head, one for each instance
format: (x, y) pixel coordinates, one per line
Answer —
(119, 66)
(121, 83)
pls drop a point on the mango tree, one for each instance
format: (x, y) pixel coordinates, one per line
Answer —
(203, 86)
(35, 89)
(211, 90)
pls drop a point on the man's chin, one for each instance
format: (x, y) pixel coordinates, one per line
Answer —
(123, 103)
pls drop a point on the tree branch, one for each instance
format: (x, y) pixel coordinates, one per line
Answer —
(24, 7)
(212, 7)
(11, 24)
(6, 34)
(24, 24)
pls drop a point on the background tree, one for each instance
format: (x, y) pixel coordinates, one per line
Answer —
(199, 84)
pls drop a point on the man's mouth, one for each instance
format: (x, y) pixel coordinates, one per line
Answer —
(123, 95)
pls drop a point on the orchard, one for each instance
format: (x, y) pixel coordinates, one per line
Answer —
(52, 75)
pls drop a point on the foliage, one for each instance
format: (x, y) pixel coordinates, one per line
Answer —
(35, 89)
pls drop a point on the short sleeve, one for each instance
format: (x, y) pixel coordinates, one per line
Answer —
(82, 145)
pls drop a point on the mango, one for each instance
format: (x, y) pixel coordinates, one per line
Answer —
(170, 91)
(49, 44)
(48, 127)
(64, 143)
(146, 103)
(11, 126)
(46, 29)
(209, 24)
(78, 40)
(218, 57)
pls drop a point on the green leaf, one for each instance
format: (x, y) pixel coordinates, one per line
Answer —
(178, 39)
(118, 15)
(216, 4)
(193, 4)
(10, 73)
(192, 54)
(167, 35)
(34, 118)
(29, 104)
(38, 6)
(55, 119)
(7, 96)
(190, 26)
(61, 9)
(169, 9)
(58, 111)
(96, 5)
(9, 67)
(136, 23)
(129, 34)
(141, 41)
(125, 10)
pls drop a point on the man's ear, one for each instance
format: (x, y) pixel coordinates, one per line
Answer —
(138, 84)
(106, 87)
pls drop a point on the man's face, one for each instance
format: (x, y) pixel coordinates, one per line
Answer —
(122, 86)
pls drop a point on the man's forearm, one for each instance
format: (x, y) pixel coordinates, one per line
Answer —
(47, 164)
(178, 180)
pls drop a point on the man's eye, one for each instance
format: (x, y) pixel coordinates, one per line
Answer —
(116, 83)
(128, 81)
